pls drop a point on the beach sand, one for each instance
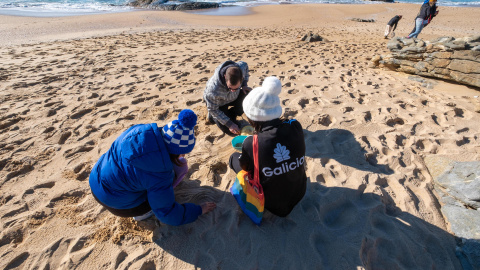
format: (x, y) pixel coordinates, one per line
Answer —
(70, 85)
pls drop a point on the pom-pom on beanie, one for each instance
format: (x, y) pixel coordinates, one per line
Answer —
(179, 134)
(262, 103)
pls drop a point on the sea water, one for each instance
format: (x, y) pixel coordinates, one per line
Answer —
(56, 8)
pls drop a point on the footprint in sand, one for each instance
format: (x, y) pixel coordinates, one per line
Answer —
(289, 113)
(69, 198)
(38, 191)
(79, 172)
(8, 121)
(143, 99)
(303, 102)
(109, 132)
(217, 170)
(325, 120)
(462, 141)
(88, 146)
(17, 209)
(17, 168)
(62, 253)
(80, 113)
(462, 130)
(395, 121)
(293, 91)
(456, 112)
(192, 102)
(126, 117)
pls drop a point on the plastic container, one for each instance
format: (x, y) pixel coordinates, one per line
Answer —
(247, 130)
(237, 142)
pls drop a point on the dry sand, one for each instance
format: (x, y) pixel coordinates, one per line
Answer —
(69, 86)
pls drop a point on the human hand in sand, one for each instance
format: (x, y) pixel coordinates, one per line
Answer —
(234, 129)
(208, 207)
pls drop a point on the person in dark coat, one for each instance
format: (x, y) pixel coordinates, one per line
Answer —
(281, 149)
(392, 25)
(427, 11)
(136, 176)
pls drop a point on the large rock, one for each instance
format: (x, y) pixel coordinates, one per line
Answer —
(458, 185)
(362, 20)
(164, 5)
(387, 1)
(449, 58)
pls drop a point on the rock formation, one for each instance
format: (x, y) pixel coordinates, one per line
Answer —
(362, 20)
(310, 37)
(164, 5)
(447, 58)
(387, 1)
(458, 186)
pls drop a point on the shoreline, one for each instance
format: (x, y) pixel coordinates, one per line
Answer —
(27, 30)
(218, 12)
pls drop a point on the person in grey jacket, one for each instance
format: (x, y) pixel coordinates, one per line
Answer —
(224, 95)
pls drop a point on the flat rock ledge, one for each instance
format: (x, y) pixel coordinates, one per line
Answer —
(448, 58)
(362, 20)
(458, 186)
(166, 5)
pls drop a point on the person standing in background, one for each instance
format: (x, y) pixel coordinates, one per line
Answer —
(424, 17)
(392, 25)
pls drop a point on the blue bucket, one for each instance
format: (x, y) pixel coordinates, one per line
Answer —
(237, 142)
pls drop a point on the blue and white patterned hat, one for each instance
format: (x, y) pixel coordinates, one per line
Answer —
(179, 135)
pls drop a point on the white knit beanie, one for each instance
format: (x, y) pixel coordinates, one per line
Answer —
(262, 103)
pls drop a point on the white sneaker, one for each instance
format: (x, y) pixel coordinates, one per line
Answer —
(144, 216)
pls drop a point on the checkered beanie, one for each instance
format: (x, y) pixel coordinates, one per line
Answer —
(179, 135)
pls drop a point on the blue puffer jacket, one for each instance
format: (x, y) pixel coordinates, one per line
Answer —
(136, 167)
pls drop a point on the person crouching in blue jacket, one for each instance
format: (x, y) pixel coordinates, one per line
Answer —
(136, 176)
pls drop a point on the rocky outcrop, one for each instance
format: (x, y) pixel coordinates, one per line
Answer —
(458, 185)
(447, 58)
(310, 37)
(165, 5)
(362, 20)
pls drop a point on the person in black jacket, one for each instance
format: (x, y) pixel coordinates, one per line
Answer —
(392, 25)
(427, 11)
(281, 149)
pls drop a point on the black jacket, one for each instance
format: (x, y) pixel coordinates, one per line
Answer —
(427, 12)
(393, 22)
(281, 151)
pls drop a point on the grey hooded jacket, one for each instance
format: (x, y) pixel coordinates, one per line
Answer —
(216, 93)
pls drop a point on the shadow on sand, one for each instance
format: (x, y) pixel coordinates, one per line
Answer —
(341, 145)
(331, 228)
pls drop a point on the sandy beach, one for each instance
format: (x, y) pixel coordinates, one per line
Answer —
(70, 85)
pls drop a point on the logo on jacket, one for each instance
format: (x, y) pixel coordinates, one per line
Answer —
(280, 154)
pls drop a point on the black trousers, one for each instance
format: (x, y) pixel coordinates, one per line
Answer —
(132, 212)
(232, 110)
